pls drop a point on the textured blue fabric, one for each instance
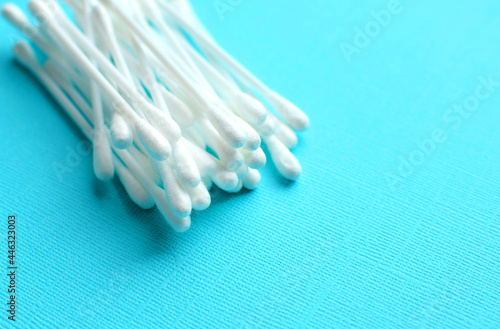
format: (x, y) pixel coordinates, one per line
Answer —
(375, 234)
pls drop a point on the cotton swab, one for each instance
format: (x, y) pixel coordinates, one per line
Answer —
(160, 120)
(227, 128)
(284, 160)
(168, 119)
(156, 144)
(25, 55)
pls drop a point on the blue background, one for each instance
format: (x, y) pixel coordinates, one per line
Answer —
(345, 246)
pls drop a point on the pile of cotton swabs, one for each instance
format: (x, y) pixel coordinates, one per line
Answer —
(167, 110)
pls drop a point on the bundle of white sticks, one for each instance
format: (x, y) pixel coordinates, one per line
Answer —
(166, 108)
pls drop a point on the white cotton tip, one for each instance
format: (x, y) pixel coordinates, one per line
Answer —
(164, 123)
(200, 197)
(178, 224)
(136, 191)
(253, 110)
(255, 159)
(177, 196)
(253, 137)
(185, 166)
(268, 128)
(179, 111)
(14, 15)
(286, 163)
(238, 187)
(153, 141)
(231, 157)
(290, 113)
(242, 171)
(204, 161)
(122, 134)
(40, 10)
(103, 157)
(286, 135)
(252, 180)
(224, 178)
(227, 127)
(253, 142)
(24, 53)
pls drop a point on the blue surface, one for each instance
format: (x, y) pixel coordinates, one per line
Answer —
(352, 244)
